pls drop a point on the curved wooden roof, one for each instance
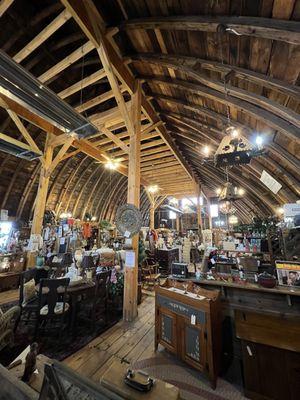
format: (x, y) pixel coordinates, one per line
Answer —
(182, 52)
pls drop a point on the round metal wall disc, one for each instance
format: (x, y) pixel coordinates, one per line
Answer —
(128, 220)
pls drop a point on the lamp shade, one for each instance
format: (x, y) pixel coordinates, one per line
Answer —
(88, 262)
(67, 259)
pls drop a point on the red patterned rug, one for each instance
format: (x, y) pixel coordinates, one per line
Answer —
(192, 385)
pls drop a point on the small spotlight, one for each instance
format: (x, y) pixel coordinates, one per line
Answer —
(241, 191)
(259, 140)
(218, 191)
(153, 189)
(206, 150)
(112, 165)
(280, 210)
(235, 133)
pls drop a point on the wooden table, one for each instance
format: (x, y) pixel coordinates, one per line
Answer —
(113, 380)
(75, 294)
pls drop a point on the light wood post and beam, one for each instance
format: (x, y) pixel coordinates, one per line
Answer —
(199, 218)
(48, 165)
(133, 197)
(40, 203)
(155, 202)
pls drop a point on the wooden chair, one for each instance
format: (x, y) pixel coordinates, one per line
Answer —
(52, 304)
(150, 274)
(29, 307)
(94, 304)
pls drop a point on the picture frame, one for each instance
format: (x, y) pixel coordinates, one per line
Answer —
(288, 273)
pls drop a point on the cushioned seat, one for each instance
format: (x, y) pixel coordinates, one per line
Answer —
(58, 309)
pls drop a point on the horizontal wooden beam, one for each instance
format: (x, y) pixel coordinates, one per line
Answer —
(18, 143)
(87, 81)
(59, 21)
(256, 112)
(91, 23)
(288, 125)
(196, 64)
(4, 4)
(267, 28)
(66, 62)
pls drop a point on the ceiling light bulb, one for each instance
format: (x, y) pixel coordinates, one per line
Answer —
(241, 191)
(235, 133)
(259, 140)
(218, 191)
(280, 210)
(153, 188)
(206, 150)
(112, 165)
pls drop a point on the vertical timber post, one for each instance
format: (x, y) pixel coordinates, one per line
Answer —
(133, 197)
(41, 197)
(199, 218)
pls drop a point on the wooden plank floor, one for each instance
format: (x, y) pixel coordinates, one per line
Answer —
(9, 296)
(127, 341)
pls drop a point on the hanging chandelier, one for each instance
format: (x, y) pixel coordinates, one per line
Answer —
(228, 195)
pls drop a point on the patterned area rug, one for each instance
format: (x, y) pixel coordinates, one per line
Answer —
(50, 344)
(192, 385)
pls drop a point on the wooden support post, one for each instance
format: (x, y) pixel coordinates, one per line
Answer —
(152, 215)
(199, 219)
(133, 197)
(37, 222)
(177, 222)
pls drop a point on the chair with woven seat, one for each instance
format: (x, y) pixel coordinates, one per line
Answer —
(52, 304)
(8, 321)
(150, 274)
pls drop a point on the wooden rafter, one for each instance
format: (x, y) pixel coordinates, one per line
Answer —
(90, 21)
(268, 28)
(4, 4)
(61, 19)
(279, 118)
(194, 64)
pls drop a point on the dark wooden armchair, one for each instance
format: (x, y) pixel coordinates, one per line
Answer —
(94, 305)
(52, 305)
(29, 303)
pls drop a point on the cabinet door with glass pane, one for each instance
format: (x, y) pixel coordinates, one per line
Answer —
(193, 339)
(167, 329)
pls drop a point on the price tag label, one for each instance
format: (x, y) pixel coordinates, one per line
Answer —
(193, 319)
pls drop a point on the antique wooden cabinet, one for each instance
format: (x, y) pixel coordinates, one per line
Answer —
(188, 325)
(165, 258)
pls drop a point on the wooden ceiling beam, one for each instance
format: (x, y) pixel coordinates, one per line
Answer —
(4, 4)
(98, 100)
(220, 118)
(90, 21)
(87, 81)
(290, 125)
(267, 28)
(66, 62)
(196, 65)
(59, 21)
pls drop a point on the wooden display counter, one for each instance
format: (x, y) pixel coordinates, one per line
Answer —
(261, 329)
(189, 325)
(252, 297)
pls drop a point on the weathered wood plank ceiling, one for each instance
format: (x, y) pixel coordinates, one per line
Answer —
(174, 47)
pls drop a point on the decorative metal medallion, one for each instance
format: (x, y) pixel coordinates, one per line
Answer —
(128, 220)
